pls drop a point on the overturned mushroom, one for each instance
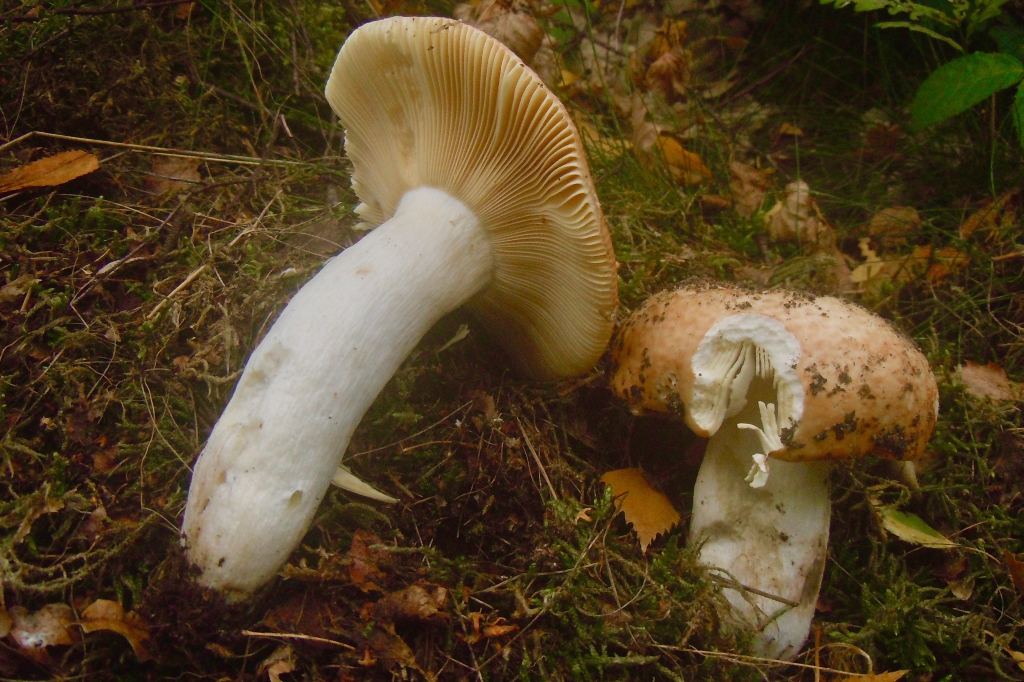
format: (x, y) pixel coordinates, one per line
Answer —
(780, 382)
(478, 183)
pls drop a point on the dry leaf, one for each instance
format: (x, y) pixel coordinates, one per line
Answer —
(5, 622)
(990, 216)
(172, 174)
(363, 572)
(51, 171)
(989, 381)
(583, 516)
(509, 22)
(891, 225)
(49, 626)
(17, 288)
(44, 505)
(497, 630)
(796, 217)
(418, 602)
(685, 166)
(649, 511)
(278, 663)
(790, 130)
(876, 677)
(184, 10)
(748, 186)
(1015, 568)
(104, 614)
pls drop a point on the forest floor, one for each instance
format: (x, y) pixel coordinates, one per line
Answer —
(133, 294)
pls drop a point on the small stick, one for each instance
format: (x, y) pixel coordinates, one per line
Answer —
(188, 280)
(307, 638)
(159, 151)
(536, 458)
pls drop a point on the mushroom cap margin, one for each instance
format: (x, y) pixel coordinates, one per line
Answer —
(867, 388)
(434, 102)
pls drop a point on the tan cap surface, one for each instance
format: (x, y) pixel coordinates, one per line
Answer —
(866, 388)
(434, 102)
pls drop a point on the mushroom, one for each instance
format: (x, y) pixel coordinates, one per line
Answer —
(476, 179)
(781, 383)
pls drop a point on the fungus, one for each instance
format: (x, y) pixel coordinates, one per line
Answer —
(477, 183)
(781, 383)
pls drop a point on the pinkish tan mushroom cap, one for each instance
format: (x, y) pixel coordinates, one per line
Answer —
(844, 383)
(429, 102)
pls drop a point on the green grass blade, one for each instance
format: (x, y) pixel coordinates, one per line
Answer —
(1018, 113)
(962, 83)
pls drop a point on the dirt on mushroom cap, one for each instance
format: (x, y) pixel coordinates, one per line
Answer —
(867, 388)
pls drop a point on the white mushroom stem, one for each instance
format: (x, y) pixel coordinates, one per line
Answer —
(767, 541)
(272, 455)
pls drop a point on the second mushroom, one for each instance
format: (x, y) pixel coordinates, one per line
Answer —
(780, 382)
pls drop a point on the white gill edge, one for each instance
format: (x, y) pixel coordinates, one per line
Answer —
(273, 453)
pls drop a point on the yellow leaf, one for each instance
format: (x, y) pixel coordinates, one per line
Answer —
(648, 510)
(910, 527)
(685, 166)
(50, 172)
(790, 130)
(104, 614)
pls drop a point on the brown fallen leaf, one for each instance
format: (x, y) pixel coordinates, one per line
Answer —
(509, 21)
(686, 167)
(51, 171)
(890, 226)
(789, 130)
(989, 381)
(278, 663)
(364, 572)
(649, 511)
(17, 288)
(991, 216)
(49, 626)
(172, 174)
(748, 186)
(418, 602)
(876, 677)
(107, 615)
(6, 622)
(1015, 567)
(796, 216)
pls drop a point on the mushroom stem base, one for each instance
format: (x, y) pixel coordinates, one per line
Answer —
(273, 453)
(772, 539)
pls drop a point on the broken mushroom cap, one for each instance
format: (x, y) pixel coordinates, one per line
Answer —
(430, 102)
(847, 383)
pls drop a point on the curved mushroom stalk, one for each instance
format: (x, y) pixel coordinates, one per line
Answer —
(272, 455)
(770, 540)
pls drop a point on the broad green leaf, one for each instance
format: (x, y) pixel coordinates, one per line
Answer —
(911, 528)
(962, 83)
(1018, 113)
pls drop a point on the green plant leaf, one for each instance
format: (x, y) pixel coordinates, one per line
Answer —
(1018, 113)
(962, 83)
(911, 528)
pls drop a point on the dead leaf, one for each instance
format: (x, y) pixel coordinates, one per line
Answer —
(962, 589)
(6, 622)
(1015, 568)
(989, 381)
(418, 602)
(278, 663)
(650, 512)
(17, 288)
(44, 505)
(49, 626)
(367, 660)
(685, 166)
(796, 217)
(104, 614)
(184, 10)
(789, 130)
(748, 186)
(876, 677)
(51, 171)
(582, 516)
(172, 174)
(509, 22)
(890, 226)
(363, 572)
(991, 216)
(498, 630)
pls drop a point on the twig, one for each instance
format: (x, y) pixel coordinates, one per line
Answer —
(159, 151)
(1009, 256)
(738, 586)
(305, 638)
(536, 458)
(758, 660)
(188, 280)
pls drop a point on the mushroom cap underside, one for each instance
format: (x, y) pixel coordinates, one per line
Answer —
(433, 102)
(866, 389)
